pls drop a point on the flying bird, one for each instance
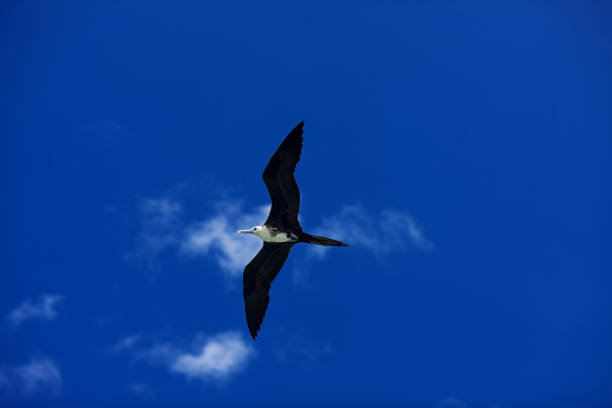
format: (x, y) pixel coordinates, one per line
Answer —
(280, 232)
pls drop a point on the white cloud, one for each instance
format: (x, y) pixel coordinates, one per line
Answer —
(221, 356)
(213, 358)
(386, 232)
(41, 376)
(217, 236)
(451, 402)
(162, 228)
(44, 309)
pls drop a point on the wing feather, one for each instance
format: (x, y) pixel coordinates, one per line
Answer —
(280, 180)
(257, 279)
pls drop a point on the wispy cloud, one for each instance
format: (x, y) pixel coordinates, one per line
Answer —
(213, 358)
(297, 348)
(142, 390)
(161, 212)
(451, 402)
(37, 377)
(217, 236)
(381, 233)
(125, 343)
(4, 382)
(43, 308)
(160, 228)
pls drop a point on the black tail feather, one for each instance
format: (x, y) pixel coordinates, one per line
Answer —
(317, 240)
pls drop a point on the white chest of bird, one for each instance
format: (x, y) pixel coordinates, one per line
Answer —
(270, 235)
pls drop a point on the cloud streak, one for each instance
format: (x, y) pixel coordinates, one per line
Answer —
(215, 236)
(142, 390)
(160, 227)
(44, 308)
(382, 233)
(37, 377)
(126, 343)
(214, 358)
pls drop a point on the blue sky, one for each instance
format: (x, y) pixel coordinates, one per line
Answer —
(462, 148)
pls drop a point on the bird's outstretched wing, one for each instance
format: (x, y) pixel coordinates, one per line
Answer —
(257, 278)
(280, 181)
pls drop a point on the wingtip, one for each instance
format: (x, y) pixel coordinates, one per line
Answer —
(253, 328)
(253, 334)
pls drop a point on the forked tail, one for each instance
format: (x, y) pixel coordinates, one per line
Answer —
(315, 239)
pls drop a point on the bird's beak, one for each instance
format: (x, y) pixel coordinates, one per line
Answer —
(245, 231)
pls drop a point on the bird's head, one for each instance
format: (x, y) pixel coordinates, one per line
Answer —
(253, 230)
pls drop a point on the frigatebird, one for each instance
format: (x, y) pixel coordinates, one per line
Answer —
(280, 232)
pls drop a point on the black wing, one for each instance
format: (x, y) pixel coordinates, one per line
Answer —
(257, 278)
(280, 181)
